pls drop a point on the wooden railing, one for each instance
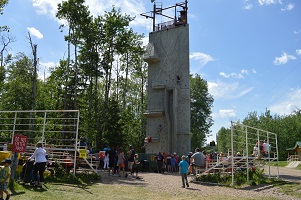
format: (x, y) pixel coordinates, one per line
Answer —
(293, 158)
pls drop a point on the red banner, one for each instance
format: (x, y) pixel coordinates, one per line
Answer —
(19, 143)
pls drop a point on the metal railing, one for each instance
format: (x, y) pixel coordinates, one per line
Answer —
(164, 26)
(50, 127)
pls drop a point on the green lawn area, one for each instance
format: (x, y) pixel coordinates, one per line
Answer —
(63, 191)
(93, 190)
(280, 163)
(283, 164)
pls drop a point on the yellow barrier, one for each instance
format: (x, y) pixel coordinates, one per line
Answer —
(4, 155)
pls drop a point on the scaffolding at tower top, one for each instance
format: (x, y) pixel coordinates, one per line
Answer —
(176, 20)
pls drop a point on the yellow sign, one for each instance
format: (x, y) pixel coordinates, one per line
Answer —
(82, 153)
(152, 158)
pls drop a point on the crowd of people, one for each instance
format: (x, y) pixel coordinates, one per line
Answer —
(170, 163)
(115, 160)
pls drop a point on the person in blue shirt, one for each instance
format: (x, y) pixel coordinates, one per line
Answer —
(183, 165)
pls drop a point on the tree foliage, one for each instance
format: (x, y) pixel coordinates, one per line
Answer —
(287, 128)
(200, 103)
(3, 3)
(105, 78)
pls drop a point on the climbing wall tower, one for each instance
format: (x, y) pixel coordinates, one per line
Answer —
(168, 108)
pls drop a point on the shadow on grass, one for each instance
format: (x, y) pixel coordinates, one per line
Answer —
(190, 188)
(257, 188)
(291, 178)
(81, 186)
(108, 179)
(27, 187)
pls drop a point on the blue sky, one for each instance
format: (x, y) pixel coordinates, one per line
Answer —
(249, 51)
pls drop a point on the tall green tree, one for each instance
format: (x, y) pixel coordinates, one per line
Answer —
(17, 89)
(223, 140)
(78, 18)
(200, 105)
(287, 128)
(91, 95)
(114, 26)
(114, 134)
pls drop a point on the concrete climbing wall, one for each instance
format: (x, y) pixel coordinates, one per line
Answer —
(168, 113)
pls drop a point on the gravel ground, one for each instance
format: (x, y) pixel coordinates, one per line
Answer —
(171, 183)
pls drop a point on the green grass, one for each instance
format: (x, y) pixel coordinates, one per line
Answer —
(283, 164)
(64, 191)
(88, 187)
(289, 188)
(280, 163)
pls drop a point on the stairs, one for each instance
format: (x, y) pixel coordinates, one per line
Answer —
(293, 164)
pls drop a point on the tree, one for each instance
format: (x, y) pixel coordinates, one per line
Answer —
(78, 18)
(200, 105)
(287, 128)
(114, 26)
(3, 3)
(223, 140)
(5, 41)
(17, 89)
(114, 134)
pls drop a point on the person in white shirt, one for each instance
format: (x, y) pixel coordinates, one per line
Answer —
(39, 157)
(266, 147)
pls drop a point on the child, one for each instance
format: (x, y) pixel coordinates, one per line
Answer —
(4, 176)
(173, 163)
(135, 166)
(120, 161)
(106, 160)
(183, 171)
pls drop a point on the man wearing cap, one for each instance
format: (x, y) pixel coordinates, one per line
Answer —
(4, 176)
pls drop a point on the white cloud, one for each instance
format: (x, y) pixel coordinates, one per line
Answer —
(266, 2)
(34, 32)
(227, 90)
(44, 69)
(298, 52)
(145, 40)
(224, 113)
(243, 92)
(247, 5)
(231, 75)
(244, 71)
(291, 102)
(201, 57)
(227, 113)
(254, 71)
(235, 75)
(97, 7)
(288, 7)
(283, 59)
(46, 7)
(297, 32)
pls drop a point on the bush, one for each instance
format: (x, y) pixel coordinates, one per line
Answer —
(240, 178)
(60, 174)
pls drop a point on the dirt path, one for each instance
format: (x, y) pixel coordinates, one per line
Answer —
(171, 183)
(287, 174)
